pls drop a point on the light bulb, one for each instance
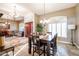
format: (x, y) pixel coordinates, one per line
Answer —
(41, 21)
(8, 23)
(5, 22)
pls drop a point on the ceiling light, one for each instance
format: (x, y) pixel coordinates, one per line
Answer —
(44, 21)
(41, 21)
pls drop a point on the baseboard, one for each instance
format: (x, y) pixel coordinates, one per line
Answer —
(69, 43)
(65, 42)
(76, 45)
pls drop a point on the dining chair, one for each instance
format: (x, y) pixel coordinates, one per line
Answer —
(37, 47)
(53, 46)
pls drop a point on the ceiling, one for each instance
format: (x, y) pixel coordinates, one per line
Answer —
(13, 10)
(22, 9)
(38, 8)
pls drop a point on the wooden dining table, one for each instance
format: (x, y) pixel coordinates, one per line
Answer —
(44, 39)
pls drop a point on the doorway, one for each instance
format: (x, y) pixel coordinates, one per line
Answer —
(28, 28)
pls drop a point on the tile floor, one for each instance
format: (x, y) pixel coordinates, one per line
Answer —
(62, 50)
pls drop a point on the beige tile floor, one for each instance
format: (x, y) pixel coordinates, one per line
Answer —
(62, 50)
(18, 41)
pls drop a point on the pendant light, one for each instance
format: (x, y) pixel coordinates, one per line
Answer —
(44, 21)
(14, 12)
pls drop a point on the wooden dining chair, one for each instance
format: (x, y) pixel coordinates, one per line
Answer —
(37, 47)
(53, 46)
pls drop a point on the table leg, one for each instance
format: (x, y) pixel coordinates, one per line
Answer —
(44, 50)
(13, 51)
(48, 49)
(29, 45)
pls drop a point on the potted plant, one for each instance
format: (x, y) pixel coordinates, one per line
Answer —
(39, 28)
(2, 39)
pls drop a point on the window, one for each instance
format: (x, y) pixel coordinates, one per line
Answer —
(64, 29)
(53, 29)
(59, 28)
(21, 27)
(49, 27)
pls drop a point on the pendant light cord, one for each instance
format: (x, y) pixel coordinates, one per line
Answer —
(14, 13)
(44, 8)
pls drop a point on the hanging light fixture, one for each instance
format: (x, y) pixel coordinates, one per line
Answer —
(14, 15)
(14, 12)
(7, 23)
(44, 21)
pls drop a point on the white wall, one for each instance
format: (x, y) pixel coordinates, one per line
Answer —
(71, 20)
(77, 23)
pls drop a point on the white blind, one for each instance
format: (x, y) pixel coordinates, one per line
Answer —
(59, 28)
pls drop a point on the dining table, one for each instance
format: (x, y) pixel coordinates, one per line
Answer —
(44, 39)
